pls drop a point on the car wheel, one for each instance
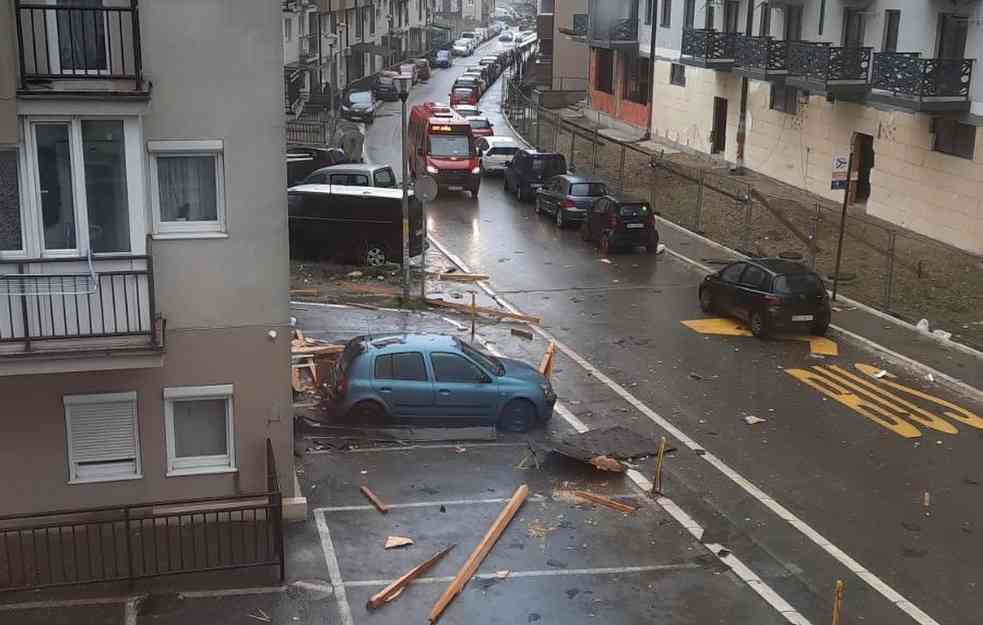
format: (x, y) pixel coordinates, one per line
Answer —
(561, 223)
(605, 245)
(653, 245)
(518, 416)
(706, 300)
(368, 413)
(759, 324)
(474, 192)
(821, 326)
(375, 255)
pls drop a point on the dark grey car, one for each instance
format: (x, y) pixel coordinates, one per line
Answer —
(568, 197)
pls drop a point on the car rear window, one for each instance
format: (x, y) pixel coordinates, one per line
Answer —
(796, 283)
(549, 165)
(406, 366)
(502, 151)
(634, 210)
(385, 178)
(463, 91)
(590, 189)
(354, 180)
(480, 123)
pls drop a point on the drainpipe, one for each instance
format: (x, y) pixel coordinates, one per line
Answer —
(651, 94)
(742, 120)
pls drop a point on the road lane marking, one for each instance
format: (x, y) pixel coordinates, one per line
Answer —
(334, 571)
(725, 326)
(784, 513)
(953, 411)
(612, 570)
(757, 584)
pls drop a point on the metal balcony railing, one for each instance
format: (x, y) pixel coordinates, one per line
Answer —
(764, 54)
(825, 63)
(708, 47)
(308, 50)
(78, 42)
(906, 74)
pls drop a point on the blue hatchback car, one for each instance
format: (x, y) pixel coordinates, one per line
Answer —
(433, 377)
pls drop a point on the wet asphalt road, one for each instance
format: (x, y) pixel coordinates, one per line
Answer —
(859, 484)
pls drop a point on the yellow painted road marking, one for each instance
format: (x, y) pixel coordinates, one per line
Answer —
(822, 345)
(842, 393)
(731, 327)
(954, 412)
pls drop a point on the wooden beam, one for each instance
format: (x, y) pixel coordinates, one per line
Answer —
(480, 552)
(491, 312)
(546, 364)
(381, 507)
(306, 292)
(604, 501)
(458, 276)
(389, 592)
(319, 350)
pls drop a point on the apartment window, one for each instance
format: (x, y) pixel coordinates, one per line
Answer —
(359, 17)
(665, 18)
(635, 80)
(764, 29)
(853, 28)
(677, 75)
(187, 186)
(953, 30)
(11, 232)
(710, 16)
(648, 11)
(892, 21)
(784, 99)
(371, 21)
(199, 429)
(103, 437)
(954, 137)
(731, 14)
(604, 80)
(288, 29)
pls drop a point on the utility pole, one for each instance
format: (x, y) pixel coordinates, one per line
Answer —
(742, 119)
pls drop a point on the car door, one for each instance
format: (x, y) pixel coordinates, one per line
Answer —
(726, 287)
(462, 389)
(750, 294)
(401, 380)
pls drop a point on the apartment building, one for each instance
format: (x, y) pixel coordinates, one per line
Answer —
(893, 82)
(144, 334)
(562, 60)
(620, 90)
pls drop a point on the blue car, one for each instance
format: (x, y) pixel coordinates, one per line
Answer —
(433, 377)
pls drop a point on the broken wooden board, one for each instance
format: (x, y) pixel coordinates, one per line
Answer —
(305, 292)
(482, 310)
(458, 276)
(607, 463)
(617, 442)
(394, 542)
(316, 350)
(393, 590)
(546, 364)
(604, 501)
(381, 507)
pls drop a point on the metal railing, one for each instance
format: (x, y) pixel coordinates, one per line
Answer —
(710, 45)
(307, 47)
(761, 53)
(822, 62)
(305, 132)
(127, 543)
(45, 299)
(905, 73)
(78, 42)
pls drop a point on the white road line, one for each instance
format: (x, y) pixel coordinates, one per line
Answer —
(130, 612)
(334, 571)
(232, 592)
(425, 504)
(66, 603)
(615, 570)
(757, 584)
(872, 580)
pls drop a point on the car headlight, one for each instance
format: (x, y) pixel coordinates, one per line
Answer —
(476, 170)
(431, 169)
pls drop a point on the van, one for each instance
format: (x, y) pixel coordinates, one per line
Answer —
(443, 58)
(360, 225)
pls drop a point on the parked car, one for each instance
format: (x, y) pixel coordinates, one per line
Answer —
(469, 81)
(568, 197)
(769, 294)
(409, 69)
(358, 224)
(460, 48)
(467, 110)
(478, 78)
(443, 58)
(620, 222)
(481, 70)
(416, 377)
(480, 126)
(359, 106)
(530, 169)
(464, 94)
(495, 152)
(422, 69)
(302, 161)
(354, 175)
(506, 36)
(385, 87)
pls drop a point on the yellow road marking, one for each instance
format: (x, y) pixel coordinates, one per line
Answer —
(822, 345)
(954, 412)
(720, 326)
(880, 415)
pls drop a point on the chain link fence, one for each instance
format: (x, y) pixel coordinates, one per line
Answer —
(897, 271)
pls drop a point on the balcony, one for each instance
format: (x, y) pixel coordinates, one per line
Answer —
(82, 50)
(307, 48)
(613, 26)
(904, 79)
(708, 48)
(823, 69)
(71, 306)
(760, 58)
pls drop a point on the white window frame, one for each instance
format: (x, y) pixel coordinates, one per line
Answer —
(188, 229)
(100, 398)
(200, 465)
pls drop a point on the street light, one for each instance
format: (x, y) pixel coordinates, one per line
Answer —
(403, 83)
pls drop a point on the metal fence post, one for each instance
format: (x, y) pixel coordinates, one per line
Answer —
(539, 122)
(889, 283)
(814, 243)
(130, 572)
(573, 143)
(593, 158)
(699, 203)
(748, 207)
(621, 169)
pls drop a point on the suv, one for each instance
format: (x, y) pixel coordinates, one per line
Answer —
(354, 175)
(495, 152)
(529, 170)
(359, 106)
(439, 378)
(768, 294)
(616, 221)
(568, 197)
(385, 86)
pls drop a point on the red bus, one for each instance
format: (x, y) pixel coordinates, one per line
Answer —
(441, 145)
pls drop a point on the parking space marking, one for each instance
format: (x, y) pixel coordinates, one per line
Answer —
(724, 326)
(611, 570)
(784, 513)
(334, 571)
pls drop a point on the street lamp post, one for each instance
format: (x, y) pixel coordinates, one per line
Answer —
(404, 83)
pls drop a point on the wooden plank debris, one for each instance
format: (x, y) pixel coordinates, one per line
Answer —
(604, 501)
(546, 364)
(607, 463)
(305, 292)
(392, 542)
(458, 276)
(482, 310)
(381, 507)
(526, 334)
(391, 591)
(480, 552)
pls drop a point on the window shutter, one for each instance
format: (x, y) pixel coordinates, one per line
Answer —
(102, 428)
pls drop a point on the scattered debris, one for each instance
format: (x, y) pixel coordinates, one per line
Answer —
(261, 616)
(607, 463)
(605, 260)
(695, 376)
(392, 542)
(480, 552)
(604, 501)
(483, 310)
(660, 248)
(942, 334)
(502, 574)
(616, 441)
(443, 508)
(403, 434)
(381, 507)
(546, 364)
(394, 589)
(751, 419)
(458, 276)
(930, 378)
(305, 292)
(526, 334)
(354, 274)
(556, 564)
(880, 374)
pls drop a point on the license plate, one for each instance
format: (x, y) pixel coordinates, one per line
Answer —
(634, 225)
(455, 187)
(801, 317)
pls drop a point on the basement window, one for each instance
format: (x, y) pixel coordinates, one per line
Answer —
(954, 137)
(677, 75)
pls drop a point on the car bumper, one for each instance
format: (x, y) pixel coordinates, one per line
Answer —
(574, 214)
(797, 320)
(359, 116)
(638, 237)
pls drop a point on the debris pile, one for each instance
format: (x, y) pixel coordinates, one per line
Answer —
(308, 360)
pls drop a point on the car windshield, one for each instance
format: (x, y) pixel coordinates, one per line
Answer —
(479, 123)
(797, 283)
(549, 166)
(360, 97)
(462, 92)
(634, 210)
(589, 189)
(487, 361)
(449, 145)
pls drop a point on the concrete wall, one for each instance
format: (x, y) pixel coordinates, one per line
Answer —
(570, 57)
(8, 74)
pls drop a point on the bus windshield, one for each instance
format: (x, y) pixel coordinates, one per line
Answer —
(449, 145)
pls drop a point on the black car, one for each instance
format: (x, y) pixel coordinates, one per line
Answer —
(385, 87)
(359, 106)
(568, 197)
(615, 221)
(530, 169)
(769, 294)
